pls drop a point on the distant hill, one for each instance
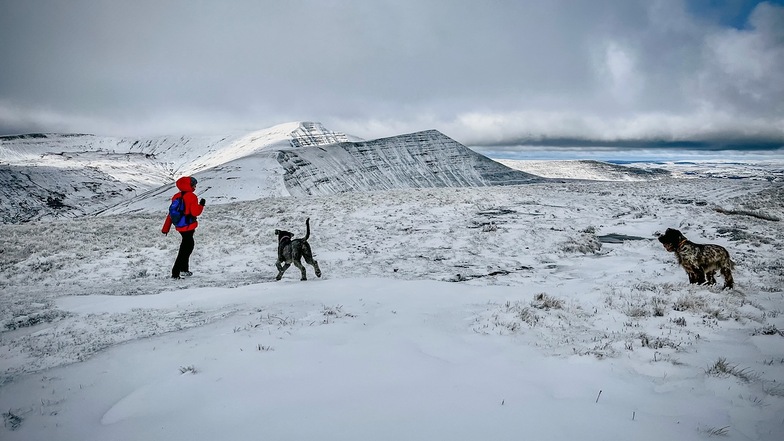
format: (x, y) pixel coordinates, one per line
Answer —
(49, 176)
(586, 170)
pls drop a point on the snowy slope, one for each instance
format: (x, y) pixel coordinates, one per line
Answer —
(585, 169)
(56, 176)
(51, 176)
(417, 160)
(736, 166)
(47, 176)
(471, 313)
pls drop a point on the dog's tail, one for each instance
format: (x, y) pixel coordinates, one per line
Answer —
(307, 225)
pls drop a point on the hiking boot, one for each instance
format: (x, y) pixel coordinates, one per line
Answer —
(176, 276)
(186, 273)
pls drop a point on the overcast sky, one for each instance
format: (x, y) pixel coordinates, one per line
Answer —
(483, 72)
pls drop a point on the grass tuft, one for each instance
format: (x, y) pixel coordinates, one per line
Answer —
(188, 369)
(716, 431)
(722, 369)
(680, 321)
(543, 301)
(774, 389)
(12, 421)
(768, 330)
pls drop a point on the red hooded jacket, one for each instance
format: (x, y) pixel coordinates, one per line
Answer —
(192, 206)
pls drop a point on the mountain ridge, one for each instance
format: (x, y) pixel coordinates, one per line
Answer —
(76, 175)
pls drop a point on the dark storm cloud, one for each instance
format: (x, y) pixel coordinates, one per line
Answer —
(481, 72)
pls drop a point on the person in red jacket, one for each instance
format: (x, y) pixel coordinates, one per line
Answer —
(187, 227)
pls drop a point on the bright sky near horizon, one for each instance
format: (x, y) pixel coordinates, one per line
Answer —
(484, 73)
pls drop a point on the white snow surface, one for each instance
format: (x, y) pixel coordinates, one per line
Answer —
(585, 169)
(443, 313)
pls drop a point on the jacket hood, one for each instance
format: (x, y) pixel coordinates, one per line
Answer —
(184, 183)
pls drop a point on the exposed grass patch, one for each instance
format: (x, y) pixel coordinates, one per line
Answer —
(716, 431)
(543, 301)
(34, 318)
(509, 318)
(768, 330)
(722, 369)
(12, 421)
(680, 321)
(775, 389)
(657, 342)
(335, 312)
(585, 243)
(188, 369)
(690, 303)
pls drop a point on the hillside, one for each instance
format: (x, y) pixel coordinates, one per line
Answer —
(481, 312)
(64, 176)
(586, 169)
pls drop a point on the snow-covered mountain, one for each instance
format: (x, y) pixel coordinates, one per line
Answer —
(50, 176)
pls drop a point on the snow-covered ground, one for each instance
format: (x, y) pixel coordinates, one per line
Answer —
(639, 169)
(588, 169)
(457, 313)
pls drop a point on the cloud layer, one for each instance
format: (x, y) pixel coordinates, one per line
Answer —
(484, 73)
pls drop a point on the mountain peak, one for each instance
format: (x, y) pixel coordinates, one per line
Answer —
(74, 176)
(310, 134)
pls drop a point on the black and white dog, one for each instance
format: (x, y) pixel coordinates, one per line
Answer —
(699, 260)
(292, 251)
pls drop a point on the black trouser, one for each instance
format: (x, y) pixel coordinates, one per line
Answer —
(186, 248)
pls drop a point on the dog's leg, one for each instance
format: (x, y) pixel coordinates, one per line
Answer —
(727, 274)
(314, 264)
(710, 279)
(301, 267)
(308, 255)
(696, 274)
(281, 269)
(690, 273)
(699, 274)
(315, 267)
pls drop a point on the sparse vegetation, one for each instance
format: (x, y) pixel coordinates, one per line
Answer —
(34, 318)
(773, 388)
(659, 307)
(716, 431)
(722, 369)
(508, 319)
(335, 312)
(689, 302)
(188, 369)
(584, 243)
(543, 301)
(680, 321)
(11, 420)
(656, 342)
(768, 330)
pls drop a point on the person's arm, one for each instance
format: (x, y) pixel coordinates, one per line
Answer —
(192, 204)
(166, 225)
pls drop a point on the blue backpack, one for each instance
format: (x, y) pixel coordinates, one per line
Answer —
(177, 212)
